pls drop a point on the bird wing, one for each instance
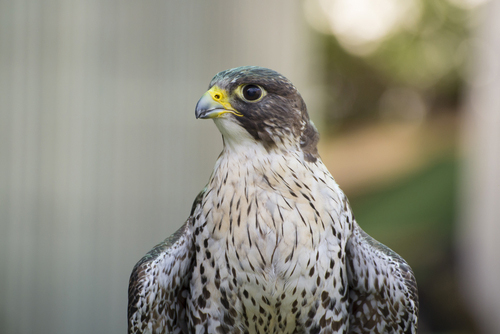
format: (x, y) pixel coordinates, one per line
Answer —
(382, 288)
(159, 284)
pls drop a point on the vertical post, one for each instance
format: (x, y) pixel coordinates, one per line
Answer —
(480, 226)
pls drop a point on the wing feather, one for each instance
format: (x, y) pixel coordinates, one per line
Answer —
(159, 284)
(383, 291)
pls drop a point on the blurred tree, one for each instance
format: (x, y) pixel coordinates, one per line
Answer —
(421, 57)
(403, 61)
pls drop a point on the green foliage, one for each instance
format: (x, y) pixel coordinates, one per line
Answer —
(416, 217)
(427, 57)
(425, 200)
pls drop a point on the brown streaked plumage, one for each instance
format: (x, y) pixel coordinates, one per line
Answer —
(271, 244)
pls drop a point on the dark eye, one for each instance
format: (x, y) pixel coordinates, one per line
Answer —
(252, 92)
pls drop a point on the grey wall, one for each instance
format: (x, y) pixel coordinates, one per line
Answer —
(100, 153)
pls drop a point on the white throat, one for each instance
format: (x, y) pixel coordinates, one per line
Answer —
(236, 139)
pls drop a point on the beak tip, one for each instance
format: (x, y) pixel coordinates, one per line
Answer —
(202, 107)
(198, 115)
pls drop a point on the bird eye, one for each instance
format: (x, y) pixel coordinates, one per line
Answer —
(252, 92)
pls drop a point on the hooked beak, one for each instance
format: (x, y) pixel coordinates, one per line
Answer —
(213, 104)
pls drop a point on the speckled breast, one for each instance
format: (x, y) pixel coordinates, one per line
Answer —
(269, 260)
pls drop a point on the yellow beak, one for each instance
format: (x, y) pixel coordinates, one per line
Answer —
(213, 104)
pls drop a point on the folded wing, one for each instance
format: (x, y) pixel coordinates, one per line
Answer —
(382, 288)
(159, 284)
(158, 287)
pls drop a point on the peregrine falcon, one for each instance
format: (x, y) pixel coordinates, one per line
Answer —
(271, 244)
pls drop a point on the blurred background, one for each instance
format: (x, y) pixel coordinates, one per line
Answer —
(101, 156)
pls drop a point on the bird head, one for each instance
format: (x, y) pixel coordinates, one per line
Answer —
(256, 105)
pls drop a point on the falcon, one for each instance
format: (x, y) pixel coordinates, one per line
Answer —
(271, 244)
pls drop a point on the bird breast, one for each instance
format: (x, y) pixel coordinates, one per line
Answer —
(272, 215)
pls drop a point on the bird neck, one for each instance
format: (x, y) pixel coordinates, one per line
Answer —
(237, 139)
(254, 165)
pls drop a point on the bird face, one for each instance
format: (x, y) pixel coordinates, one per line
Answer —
(216, 102)
(259, 105)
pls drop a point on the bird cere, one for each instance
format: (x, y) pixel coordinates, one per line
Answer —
(271, 244)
